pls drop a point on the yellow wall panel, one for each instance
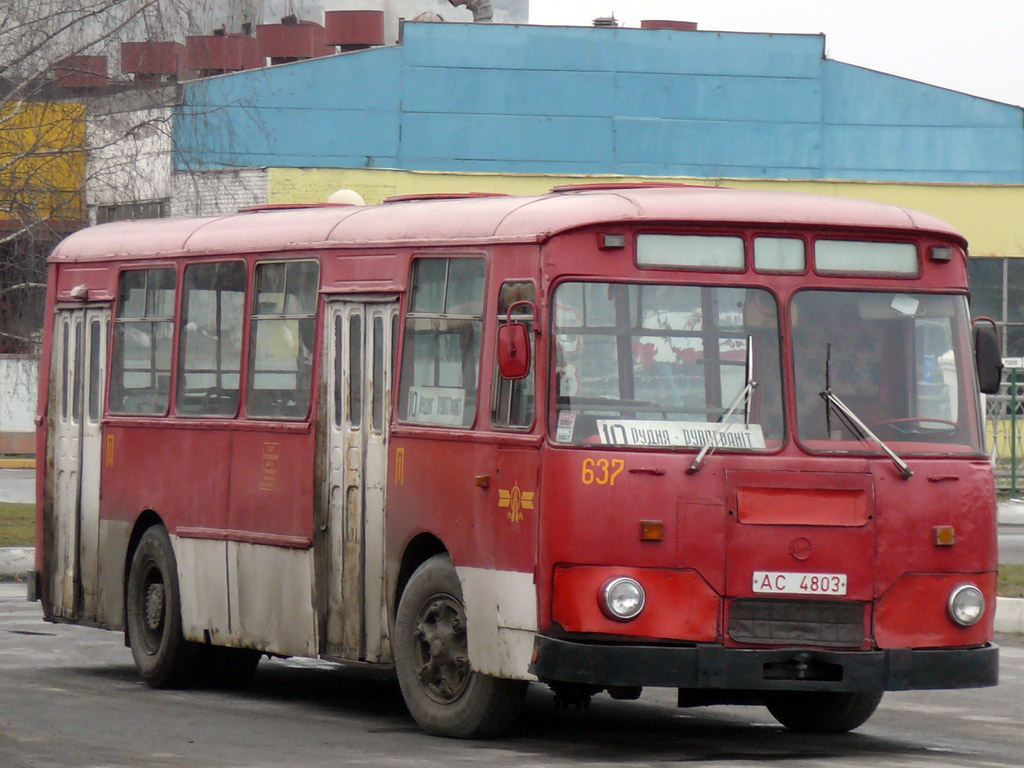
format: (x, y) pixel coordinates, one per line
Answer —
(42, 160)
(990, 216)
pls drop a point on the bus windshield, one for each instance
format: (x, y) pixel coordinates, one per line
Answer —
(663, 365)
(900, 361)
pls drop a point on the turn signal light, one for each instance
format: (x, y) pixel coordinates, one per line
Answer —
(652, 530)
(945, 535)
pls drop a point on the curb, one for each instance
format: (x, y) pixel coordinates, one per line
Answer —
(1011, 512)
(1010, 615)
(17, 463)
(16, 562)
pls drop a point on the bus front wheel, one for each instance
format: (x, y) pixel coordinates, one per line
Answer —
(443, 694)
(822, 711)
(162, 655)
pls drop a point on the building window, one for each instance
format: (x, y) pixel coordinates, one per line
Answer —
(441, 356)
(148, 209)
(997, 291)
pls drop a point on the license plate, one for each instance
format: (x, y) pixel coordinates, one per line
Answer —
(784, 583)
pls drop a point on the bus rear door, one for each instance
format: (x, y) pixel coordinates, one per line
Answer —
(358, 358)
(79, 362)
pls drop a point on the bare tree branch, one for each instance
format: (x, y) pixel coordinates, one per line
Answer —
(58, 143)
(21, 287)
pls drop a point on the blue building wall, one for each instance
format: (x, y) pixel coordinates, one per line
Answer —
(526, 99)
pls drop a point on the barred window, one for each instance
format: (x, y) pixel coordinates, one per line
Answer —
(149, 209)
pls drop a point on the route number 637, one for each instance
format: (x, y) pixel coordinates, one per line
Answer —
(601, 471)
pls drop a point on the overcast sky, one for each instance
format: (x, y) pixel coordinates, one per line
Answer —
(976, 47)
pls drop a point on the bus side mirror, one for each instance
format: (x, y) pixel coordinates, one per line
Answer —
(987, 355)
(514, 346)
(514, 351)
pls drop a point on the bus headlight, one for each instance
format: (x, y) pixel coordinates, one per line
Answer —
(966, 605)
(623, 598)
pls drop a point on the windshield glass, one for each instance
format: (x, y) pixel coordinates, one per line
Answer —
(899, 361)
(660, 365)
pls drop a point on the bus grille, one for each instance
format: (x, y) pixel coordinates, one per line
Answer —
(817, 622)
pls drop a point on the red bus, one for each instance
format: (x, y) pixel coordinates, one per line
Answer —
(610, 437)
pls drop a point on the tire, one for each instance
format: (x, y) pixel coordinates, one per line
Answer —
(229, 668)
(442, 693)
(822, 711)
(162, 655)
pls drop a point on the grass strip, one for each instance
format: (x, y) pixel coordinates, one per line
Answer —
(17, 525)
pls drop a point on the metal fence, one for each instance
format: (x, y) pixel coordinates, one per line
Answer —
(1004, 431)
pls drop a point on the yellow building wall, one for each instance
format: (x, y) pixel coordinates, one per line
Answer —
(42, 160)
(991, 217)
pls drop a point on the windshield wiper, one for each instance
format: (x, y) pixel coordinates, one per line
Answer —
(860, 429)
(711, 443)
(851, 420)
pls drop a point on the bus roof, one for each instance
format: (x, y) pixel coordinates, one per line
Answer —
(482, 219)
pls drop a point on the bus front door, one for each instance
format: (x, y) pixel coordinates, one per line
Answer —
(358, 361)
(79, 377)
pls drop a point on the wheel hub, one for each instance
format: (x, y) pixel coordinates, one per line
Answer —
(442, 650)
(155, 606)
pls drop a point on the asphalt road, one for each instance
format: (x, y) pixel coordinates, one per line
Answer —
(1011, 544)
(69, 696)
(18, 486)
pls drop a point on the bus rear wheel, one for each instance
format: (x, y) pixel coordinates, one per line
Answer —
(822, 711)
(443, 694)
(162, 655)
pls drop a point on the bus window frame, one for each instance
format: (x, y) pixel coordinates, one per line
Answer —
(117, 318)
(251, 319)
(812, 257)
(244, 330)
(965, 384)
(402, 390)
(711, 281)
(532, 323)
(742, 236)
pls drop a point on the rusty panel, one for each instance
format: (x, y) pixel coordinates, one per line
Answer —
(355, 28)
(152, 58)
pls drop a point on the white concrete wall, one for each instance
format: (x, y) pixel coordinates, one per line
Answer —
(130, 157)
(19, 382)
(214, 193)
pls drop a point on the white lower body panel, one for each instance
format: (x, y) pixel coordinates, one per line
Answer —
(501, 615)
(248, 595)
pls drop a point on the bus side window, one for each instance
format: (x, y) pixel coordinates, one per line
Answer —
(140, 378)
(441, 352)
(281, 339)
(210, 355)
(512, 401)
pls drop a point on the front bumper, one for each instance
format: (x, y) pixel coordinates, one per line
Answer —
(750, 669)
